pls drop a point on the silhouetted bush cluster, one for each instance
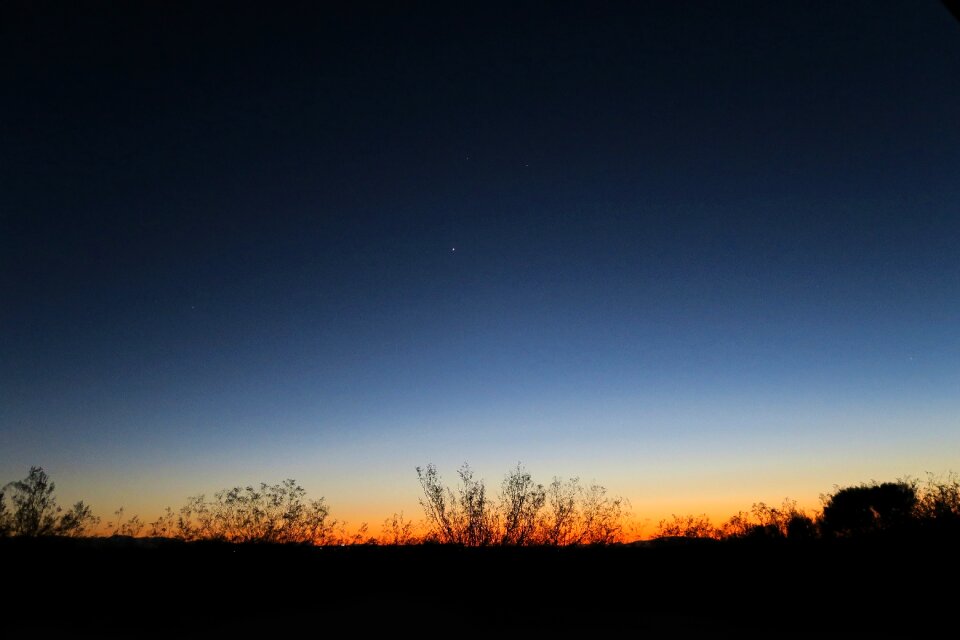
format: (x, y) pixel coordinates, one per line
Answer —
(278, 513)
(904, 507)
(522, 513)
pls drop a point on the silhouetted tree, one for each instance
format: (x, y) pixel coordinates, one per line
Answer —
(6, 524)
(35, 510)
(867, 509)
(36, 513)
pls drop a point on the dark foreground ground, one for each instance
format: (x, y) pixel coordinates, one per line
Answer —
(122, 587)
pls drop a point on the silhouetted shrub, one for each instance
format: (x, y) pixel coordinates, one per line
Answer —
(938, 503)
(737, 526)
(78, 521)
(276, 513)
(689, 526)
(801, 527)
(130, 527)
(165, 525)
(770, 523)
(397, 531)
(521, 501)
(560, 524)
(564, 513)
(599, 518)
(463, 517)
(869, 509)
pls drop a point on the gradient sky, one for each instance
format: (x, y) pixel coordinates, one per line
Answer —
(703, 253)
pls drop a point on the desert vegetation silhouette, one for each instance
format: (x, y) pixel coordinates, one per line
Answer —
(34, 510)
(521, 513)
(565, 512)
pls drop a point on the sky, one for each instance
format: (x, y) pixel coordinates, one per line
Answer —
(702, 253)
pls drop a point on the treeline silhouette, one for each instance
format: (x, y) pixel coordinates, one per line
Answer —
(522, 512)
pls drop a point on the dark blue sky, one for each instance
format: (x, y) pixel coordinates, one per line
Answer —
(694, 242)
